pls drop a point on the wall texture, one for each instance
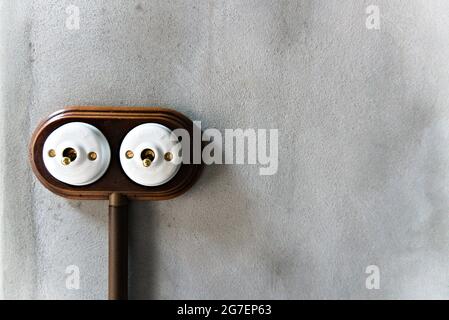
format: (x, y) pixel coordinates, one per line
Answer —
(364, 146)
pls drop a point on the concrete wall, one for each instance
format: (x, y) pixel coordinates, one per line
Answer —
(364, 146)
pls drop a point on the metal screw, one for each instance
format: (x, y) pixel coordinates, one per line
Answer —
(66, 161)
(168, 156)
(146, 162)
(129, 154)
(92, 156)
(52, 153)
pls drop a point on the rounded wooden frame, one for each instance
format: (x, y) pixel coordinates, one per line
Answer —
(114, 123)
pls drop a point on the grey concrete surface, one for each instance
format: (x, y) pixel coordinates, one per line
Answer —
(364, 147)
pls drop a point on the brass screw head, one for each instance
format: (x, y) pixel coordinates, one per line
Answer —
(168, 156)
(52, 153)
(129, 154)
(66, 161)
(146, 162)
(92, 156)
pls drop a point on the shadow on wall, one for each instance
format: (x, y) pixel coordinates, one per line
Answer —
(161, 232)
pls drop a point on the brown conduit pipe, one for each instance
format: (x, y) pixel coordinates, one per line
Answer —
(118, 247)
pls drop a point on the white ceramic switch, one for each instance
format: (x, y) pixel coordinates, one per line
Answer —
(150, 154)
(76, 153)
